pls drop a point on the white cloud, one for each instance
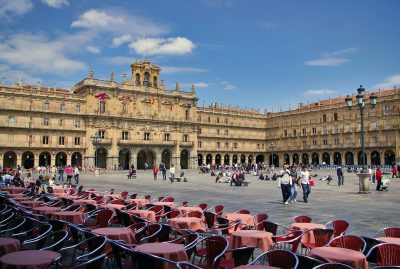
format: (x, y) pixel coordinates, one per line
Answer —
(12, 76)
(228, 86)
(332, 58)
(388, 83)
(319, 92)
(118, 60)
(163, 46)
(118, 41)
(95, 18)
(56, 3)
(93, 49)
(197, 85)
(14, 7)
(39, 54)
(181, 69)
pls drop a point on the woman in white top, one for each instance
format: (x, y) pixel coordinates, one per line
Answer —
(172, 172)
(305, 183)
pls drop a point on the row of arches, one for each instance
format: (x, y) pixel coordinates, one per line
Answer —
(28, 159)
(226, 159)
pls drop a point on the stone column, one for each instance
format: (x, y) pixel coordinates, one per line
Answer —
(382, 157)
(18, 159)
(212, 159)
(68, 159)
(230, 159)
(1, 160)
(331, 160)
(53, 160)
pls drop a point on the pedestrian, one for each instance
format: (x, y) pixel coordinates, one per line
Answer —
(284, 182)
(371, 174)
(155, 172)
(394, 171)
(339, 173)
(172, 172)
(305, 183)
(76, 174)
(70, 173)
(378, 177)
(60, 173)
(293, 186)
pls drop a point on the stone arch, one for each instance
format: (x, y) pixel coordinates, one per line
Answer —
(124, 157)
(76, 159)
(44, 159)
(315, 158)
(326, 158)
(337, 158)
(28, 160)
(137, 79)
(146, 78)
(199, 159)
(234, 158)
(250, 159)
(226, 159)
(375, 158)
(185, 155)
(295, 158)
(9, 159)
(242, 158)
(304, 159)
(101, 158)
(218, 159)
(286, 158)
(145, 156)
(166, 156)
(260, 158)
(61, 159)
(349, 158)
(390, 157)
(359, 154)
(274, 160)
(155, 83)
(209, 159)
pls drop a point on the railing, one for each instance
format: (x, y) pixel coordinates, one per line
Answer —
(146, 142)
(104, 141)
(186, 144)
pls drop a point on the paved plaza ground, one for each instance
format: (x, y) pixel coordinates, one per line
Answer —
(366, 213)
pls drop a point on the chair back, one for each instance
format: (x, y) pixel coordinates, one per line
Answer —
(216, 246)
(185, 203)
(322, 236)
(94, 263)
(133, 196)
(173, 214)
(387, 254)
(168, 199)
(58, 225)
(259, 221)
(307, 262)
(195, 214)
(333, 266)
(103, 217)
(203, 206)
(150, 261)
(244, 211)
(271, 227)
(118, 201)
(370, 243)
(280, 258)
(12, 227)
(210, 218)
(302, 219)
(339, 227)
(124, 194)
(392, 232)
(152, 231)
(147, 197)
(242, 255)
(54, 241)
(219, 209)
(352, 242)
(96, 245)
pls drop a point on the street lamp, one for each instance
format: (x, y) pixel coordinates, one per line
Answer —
(95, 139)
(272, 146)
(360, 98)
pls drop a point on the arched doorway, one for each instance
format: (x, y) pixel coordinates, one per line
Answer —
(375, 158)
(295, 158)
(76, 159)
(250, 158)
(44, 159)
(315, 158)
(304, 158)
(124, 158)
(61, 159)
(199, 159)
(208, 159)
(274, 160)
(27, 160)
(390, 157)
(235, 158)
(326, 158)
(226, 159)
(166, 158)
(242, 159)
(260, 158)
(218, 159)
(337, 158)
(349, 158)
(145, 156)
(287, 158)
(9, 159)
(101, 158)
(184, 159)
(360, 162)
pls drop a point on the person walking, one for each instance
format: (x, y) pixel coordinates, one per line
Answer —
(339, 173)
(285, 182)
(70, 173)
(155, 172)
(163, 171)
(60, 173)
(378, 177)
(76, 174)
(172, 172)
(394, 171)
(305, 183)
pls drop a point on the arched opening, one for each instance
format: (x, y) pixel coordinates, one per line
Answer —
(349, 158)
(304, 159)
(390, 157)
(124, 158)
(226, 159)
(260, 158)
(242, 159)
(315, 158)
(274, 160)
(218, 159)
(76, 159)
(250, 159)
(184, 159)
(359, 159)
(145, 156)
(28, 160)
(101, 158)
(155, 84)
(166, 158)
(199, 159)
(375, 158)
(146, 79)
(295, 158)
(208, 159)
(137, 79)
(9, 159)
(287, 158)
(44, 159)
(235, 158)
(337, 158)
(61, 159)
(326, 158)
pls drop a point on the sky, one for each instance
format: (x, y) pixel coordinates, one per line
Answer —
(261, 54)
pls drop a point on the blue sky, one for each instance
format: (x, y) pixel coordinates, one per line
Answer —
(257, 53)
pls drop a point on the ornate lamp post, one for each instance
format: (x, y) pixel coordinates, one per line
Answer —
(95, 140)
(360, 98)
(272, 146)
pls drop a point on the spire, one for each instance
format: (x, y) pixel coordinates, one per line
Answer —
(112, 77)
(193, 90)
(177, 88)
(91, 73)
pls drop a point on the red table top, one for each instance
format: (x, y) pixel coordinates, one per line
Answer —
(32, 259)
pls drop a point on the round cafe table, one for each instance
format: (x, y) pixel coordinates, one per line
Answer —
(307, 237)
(391, 240)
(147, 214)
(15, 190)
(256, 266)
(188, 209)
(260, 239)
(113, 206)
(117, 233)
(31, 203)
(8, 244)
(46, 209)
(21, 198)
(170, 204)
(341, 255)
(189, 223)
(245, 218)
(170, 251)
(15, 195)
(85, 202)
(75, 217)
(28, 259)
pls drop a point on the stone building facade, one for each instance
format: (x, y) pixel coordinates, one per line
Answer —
(108, 124)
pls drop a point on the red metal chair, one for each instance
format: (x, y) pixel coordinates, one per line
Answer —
(219, 209)
(131, 206)
(333, 266)
(160, 198)
(158, 210)
(302, 219)
(203, 206)
(117, 202)
(168, 199)
(210, 218)
(195, 214)
(243, 211)
(124, 194)
(152, 231)
(225, 226)
(240, 256)
(278, 258)
(387, 254)
(216, 246)
(392, 232)
(322, 237)
(99, 219)
(260, 218)
(148, 197)
(172, 214)
(185, 203)
(291, 239)
(133, 196)
(339, 227)
(348, 241)
(272, 227)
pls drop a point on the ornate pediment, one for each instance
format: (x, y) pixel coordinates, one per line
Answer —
(187, 105)
(149, 101)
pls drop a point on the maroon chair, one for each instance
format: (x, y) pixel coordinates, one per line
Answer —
(195, 214)
(131, 206)
(280, 258)
(148, 197)
(219, 209)
(339, 227)
(210, 218)
(272, 227)
(101, 219)
(117, 202)
(203, 206)
(392, 232)
(124, 194)
(322, 237)
(333, 266)
(133, 196)
(240, 256)
(244, 211)
(185, 203)
(260, 218)
(291, 240)
(348, 241)
(173, 214)
(161, 198)
(151, 235)
(302, 219)
(168, 199)
(216, 246)
(225, 226)
(158, 210)
(387, 254)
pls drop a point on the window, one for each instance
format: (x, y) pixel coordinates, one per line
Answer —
(226, 132)
(46, 121)
(61, 140)
(324, 130)
(185, 138)
(388, 110)
(11, 120)
(198, 130)
(226, 121)
(199, 144)
(77, 141)
(199, 119)
(186, 114)
(167, 137)
(62, 107)
(102, 134)
(325, 142)
(314, 130)
(314, 142)
(146, 79)
(226, 145)
(374, 139)
(373, 125)
(77, 123)
(294, 132)
(46, 105)
(137, 79)
(235, 145)
(304, 131)
(336, 141)
(45, 140)
(262, 146)
(125, 135)
(60, 122)
(217, 120)
(102, 107)
(304, 143)
(285, 133)
(335, 117)
(208, 119)
(218, 144)
(347, 128)
(147, 136)
(323, 118)
(217, 132)
(78, 108)
(258, 146)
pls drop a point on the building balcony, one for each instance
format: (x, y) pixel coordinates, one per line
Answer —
(104, 141)
(147, 142)
(186, 143)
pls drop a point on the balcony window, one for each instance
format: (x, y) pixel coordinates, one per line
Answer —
(226, 145)
(186, 114)
(314, 142)
(77, 124)
(235, 145)
(46, 106)
(102, 107)
(11, 120)
(61, 140)
(304, 132)
(218, 144)
(62, 107)
(78, 108)
(125, 135)
(147, 136)
(60, 122)
(314, 131)
(167, 137)
(46, 122)
(323, 118)
(325, 142)
(199, 144)
(198, 130)
(45, 140)
(336, 141)
(102, 134)
(77, 141)
(335, 117)
(185, 138)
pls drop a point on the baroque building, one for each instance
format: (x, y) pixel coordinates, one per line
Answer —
(107, 124)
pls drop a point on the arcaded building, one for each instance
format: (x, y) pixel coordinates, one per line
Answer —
(110, 124)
